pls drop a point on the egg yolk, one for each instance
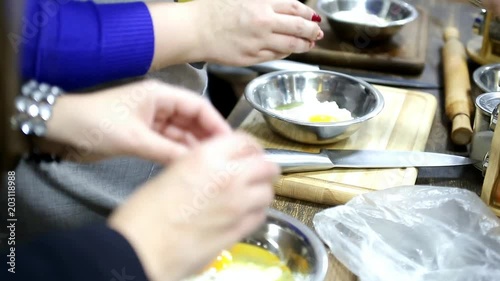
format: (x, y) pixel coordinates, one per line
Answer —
(246, 253)
(319, 118)
(222, 261)
(254, 254)
(248, 262)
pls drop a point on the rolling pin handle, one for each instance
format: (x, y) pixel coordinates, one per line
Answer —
(296, 161)
(461, 130)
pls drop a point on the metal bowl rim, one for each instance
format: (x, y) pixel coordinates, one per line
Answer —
(317, 244)
(380, 102)
(480, 106)
(479, 72)
(413, 14)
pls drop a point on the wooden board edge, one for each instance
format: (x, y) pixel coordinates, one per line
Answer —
(307, 188)
(425, 32)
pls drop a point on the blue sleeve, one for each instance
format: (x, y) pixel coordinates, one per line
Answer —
(91, 253)
(76, 44)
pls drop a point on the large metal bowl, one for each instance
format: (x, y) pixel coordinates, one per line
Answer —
(295, 244)
(366, 21)
(274, 89)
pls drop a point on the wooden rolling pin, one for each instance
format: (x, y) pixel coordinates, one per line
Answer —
(458, 104)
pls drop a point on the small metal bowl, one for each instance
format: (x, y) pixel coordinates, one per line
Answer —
(365, 21)
(486, 80)
(274, 89)
(294, 243)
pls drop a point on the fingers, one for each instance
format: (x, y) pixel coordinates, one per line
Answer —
(257, 174)
(247, 146)
(193, 126)
(298, 27)
(157, 148)
(256, 170)
(181, 136)
(209, 121)
(294, 8)
(241, 158)
(263, 56)
(296, 21)
(233, 147)
(250, 223)
(192, 112)
(280, 43)
(261, 197)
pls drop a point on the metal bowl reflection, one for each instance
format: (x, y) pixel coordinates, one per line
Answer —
(295, 244)
(367, 20)
(486, 79)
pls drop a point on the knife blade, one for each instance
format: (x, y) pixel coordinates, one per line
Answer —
(292, 161)
(277, 65)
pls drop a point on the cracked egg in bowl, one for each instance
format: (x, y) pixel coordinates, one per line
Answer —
(314, 107)
(282, 249)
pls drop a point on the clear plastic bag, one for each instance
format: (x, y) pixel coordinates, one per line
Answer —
(414, 233)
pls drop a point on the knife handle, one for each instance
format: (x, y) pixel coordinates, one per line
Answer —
(292, 161)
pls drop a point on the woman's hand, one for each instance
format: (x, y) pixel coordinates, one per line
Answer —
(240, 33)
(148, 119)
(206, 201)
(252, 31)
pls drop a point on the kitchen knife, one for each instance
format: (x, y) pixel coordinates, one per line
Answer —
(292, 161)
(277, 65)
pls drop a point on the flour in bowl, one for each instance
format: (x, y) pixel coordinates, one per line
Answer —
(360, 18)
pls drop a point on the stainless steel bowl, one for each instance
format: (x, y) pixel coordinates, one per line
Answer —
(285, 87)
(486, 80)
(295, 244)
(366, 21)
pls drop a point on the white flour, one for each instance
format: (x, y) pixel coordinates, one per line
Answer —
(360, 18)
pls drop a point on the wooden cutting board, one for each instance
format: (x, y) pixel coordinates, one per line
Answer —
(404, 124)
(404, 54)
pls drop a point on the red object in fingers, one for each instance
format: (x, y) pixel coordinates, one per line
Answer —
(316, 18)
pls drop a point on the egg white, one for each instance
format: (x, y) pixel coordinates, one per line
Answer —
(305, 111)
